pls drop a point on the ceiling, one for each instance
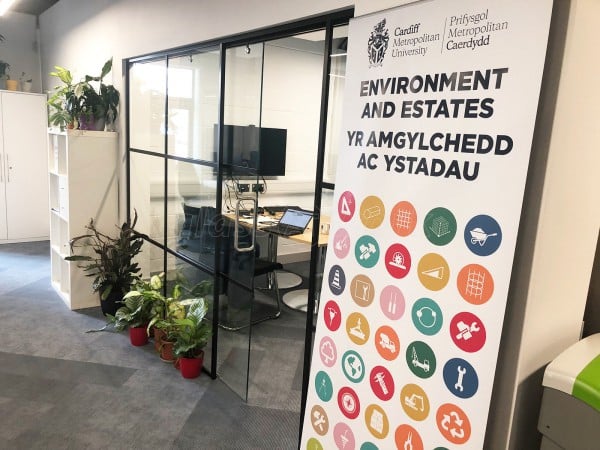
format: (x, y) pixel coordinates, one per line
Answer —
(34, 7)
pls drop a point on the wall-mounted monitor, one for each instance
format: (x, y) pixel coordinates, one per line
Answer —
(259, 148)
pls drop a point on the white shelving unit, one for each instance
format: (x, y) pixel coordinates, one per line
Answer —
(83, 184)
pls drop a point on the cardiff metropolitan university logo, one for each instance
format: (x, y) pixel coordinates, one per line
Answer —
(378, 44)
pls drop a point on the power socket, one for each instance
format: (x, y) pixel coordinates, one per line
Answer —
(243, 187)
(258, 187)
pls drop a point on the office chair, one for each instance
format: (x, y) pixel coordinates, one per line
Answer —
(261, 267)
(198, 235)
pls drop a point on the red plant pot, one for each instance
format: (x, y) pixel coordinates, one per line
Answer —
(138, 336)
(191, 367)
(166, 351)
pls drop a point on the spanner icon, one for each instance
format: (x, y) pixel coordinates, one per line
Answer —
(461, 374)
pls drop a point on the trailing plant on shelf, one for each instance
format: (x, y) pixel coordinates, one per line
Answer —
(109, 261)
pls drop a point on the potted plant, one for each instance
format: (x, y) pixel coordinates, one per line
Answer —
(168, 309)
(191, 336)
(4, 68)
(26, 82)
(64, 101)
(89, 104)
(136, 311)
(109, 260)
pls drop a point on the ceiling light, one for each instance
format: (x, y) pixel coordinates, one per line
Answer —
(4, 5)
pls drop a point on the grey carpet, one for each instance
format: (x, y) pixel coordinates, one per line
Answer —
(62, 388)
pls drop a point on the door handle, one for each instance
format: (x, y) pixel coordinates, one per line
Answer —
(236, 232)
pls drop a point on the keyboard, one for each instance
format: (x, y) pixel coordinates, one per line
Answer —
(279, 209)
(283, 230)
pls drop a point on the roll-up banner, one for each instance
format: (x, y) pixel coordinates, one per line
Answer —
(440, 105)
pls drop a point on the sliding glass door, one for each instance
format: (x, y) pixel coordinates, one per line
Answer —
(216, 131)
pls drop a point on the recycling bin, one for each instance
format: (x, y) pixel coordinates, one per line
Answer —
(570, 412)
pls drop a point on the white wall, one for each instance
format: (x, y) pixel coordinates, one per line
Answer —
(20, 48)
(559, 227)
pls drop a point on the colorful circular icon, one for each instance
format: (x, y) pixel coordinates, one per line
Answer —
(453, 423)
(366, 251)
(348, 402)
(483, 235)
(433, 271)
(319, 420)
(332, 315)
(344, 437)
(420, 359)
(336, 279)
(358, 328)
(408, 438)
(327, 351)
(362, 290)
(382, 383)
(467, 332)
(368, 446)
(461, 378)
(439, 226)
(475, 284)
(397, 261)
(391, 301)
(377, 421)
(403, 218)
(341, 243)
(323, 386)
(427, 316)
(313, 444)
(415, 402)
(372, 212)
(387, 343)
(346, 206)
(353, 366)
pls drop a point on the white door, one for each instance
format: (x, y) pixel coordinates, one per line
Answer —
(3, 232)
(26, 165)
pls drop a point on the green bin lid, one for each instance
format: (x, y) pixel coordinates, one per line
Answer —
(576, 371)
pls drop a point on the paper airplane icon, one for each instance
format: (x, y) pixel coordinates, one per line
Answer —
(438, 273)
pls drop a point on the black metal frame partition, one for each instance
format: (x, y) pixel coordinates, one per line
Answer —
(326, 22)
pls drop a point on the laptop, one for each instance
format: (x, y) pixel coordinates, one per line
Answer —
(293, 222)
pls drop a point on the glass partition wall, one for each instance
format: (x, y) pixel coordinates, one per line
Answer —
(192, 171)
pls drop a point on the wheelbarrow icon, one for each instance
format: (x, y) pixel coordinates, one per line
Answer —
(478, 236)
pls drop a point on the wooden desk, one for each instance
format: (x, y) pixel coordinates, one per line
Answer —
(304, 238)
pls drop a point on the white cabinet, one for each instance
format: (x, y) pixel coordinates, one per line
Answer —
(83, 175)
(23, 167)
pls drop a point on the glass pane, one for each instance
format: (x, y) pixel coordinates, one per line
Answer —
(193, 105)
(186, 275)
(147, 105)
(242, 98)
(293, 75)
(191, 212)
(146, 187)
(334, 113)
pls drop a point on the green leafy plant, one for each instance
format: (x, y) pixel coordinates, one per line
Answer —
(4, 68)
(193, 331)
(111, 260)
(64, 101)
(167, 309)
(137, 307)
(80, 103)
